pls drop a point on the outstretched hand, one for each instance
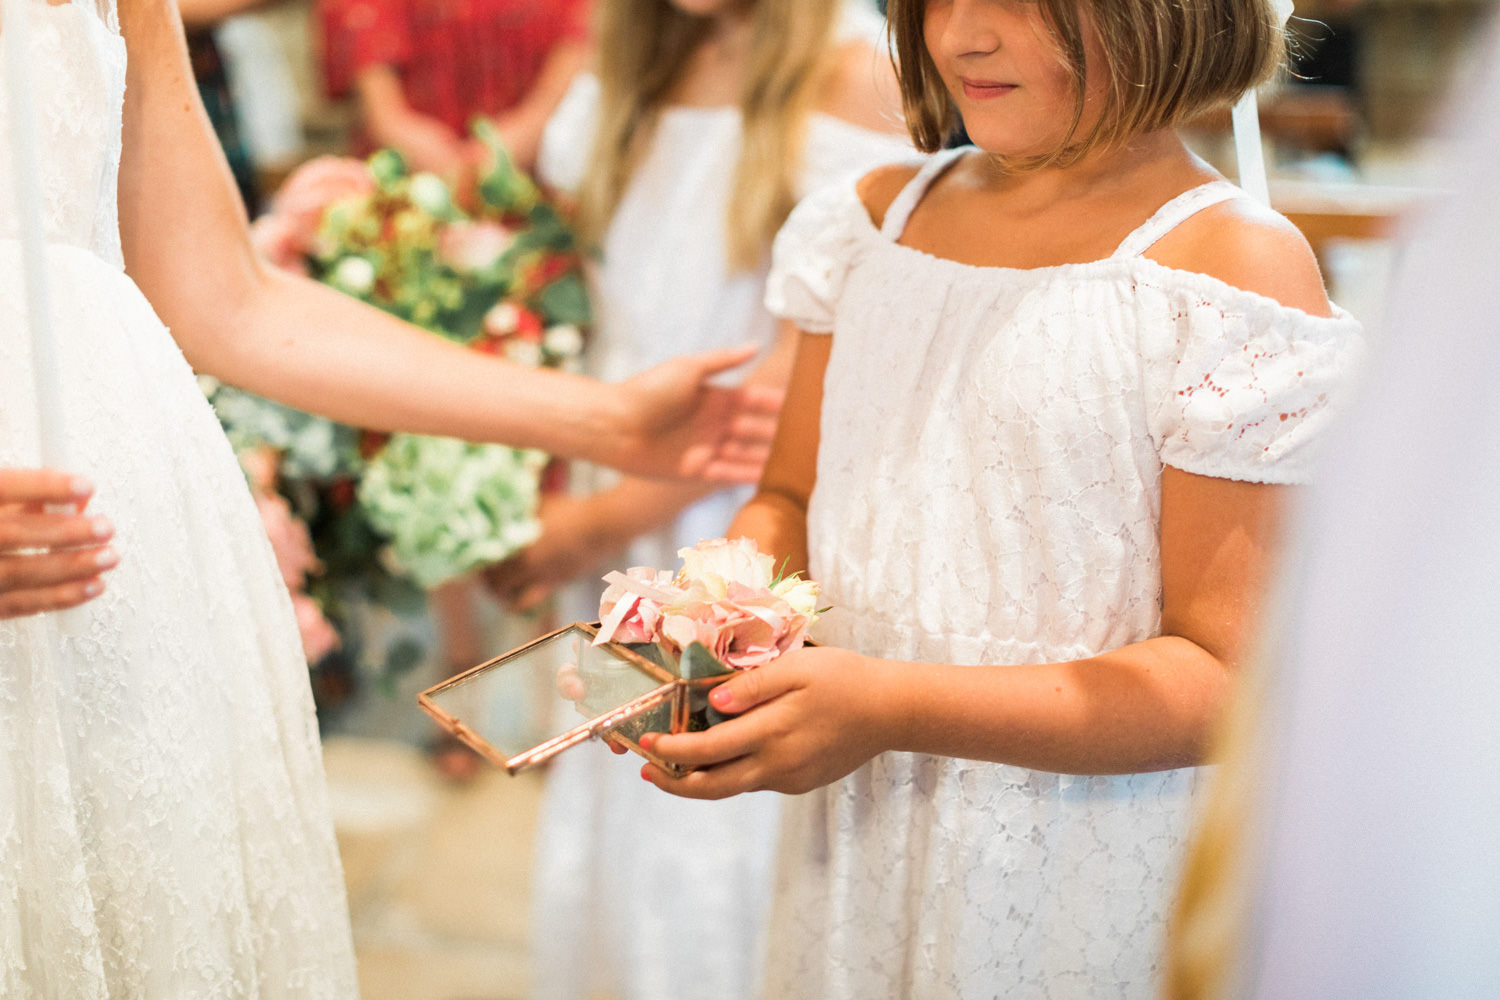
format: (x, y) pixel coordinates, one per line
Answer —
(52, 555)
(818, 713)
(681, 426)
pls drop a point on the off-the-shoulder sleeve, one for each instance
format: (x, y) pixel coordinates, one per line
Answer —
(812, 254)
(1241, 387)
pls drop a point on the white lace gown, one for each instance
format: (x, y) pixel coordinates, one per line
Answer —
(995, 500)
(164, 827)
(637, 894)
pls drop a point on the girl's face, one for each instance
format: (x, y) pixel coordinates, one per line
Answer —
(1006, 75)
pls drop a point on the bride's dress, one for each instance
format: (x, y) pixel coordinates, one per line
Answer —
(164, 826)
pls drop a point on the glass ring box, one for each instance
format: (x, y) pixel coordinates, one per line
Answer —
(526, 706)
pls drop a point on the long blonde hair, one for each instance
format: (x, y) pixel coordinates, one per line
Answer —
(644, 45)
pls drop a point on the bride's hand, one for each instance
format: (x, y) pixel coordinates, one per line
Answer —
(680, 426)
(52, 555)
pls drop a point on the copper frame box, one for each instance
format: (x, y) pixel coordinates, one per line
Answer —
(530, 704)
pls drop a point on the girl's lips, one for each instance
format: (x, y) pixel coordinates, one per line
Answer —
(982, 89)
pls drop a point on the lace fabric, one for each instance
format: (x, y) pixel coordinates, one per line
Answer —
(996, 501)
(164, 829)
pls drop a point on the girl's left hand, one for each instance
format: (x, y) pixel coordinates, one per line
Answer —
(820, 712)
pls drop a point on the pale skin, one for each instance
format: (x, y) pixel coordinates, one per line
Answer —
(819, 713)
(183, 232)
(581, 534)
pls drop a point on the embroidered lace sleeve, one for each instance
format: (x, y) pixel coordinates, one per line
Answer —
(1240, 386)
(812, 255)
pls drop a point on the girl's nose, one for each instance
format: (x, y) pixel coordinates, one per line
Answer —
(964, 27)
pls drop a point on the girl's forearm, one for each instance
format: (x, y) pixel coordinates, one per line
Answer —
(290, 336)
(1145, 707)
(778, 526)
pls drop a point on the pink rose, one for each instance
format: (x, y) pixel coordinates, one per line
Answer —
(468, 247)
(630, 608)
(290, 540)
(318, 636)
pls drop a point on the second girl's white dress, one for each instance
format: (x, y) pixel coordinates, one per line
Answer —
(637, 894)
(164, 825)
(989, 491)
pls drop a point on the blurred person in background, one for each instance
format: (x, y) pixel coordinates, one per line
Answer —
(420, 70)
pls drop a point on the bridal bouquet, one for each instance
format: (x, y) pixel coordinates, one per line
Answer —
(494, 267)
(727, 601)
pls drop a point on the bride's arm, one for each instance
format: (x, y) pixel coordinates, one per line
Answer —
(185, 245)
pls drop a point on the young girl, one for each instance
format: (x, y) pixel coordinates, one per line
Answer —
(164, 828)
(706, 121)
(1036, 467)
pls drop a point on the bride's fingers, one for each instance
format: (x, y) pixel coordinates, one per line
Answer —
(44, 486)
(19, 603)
(37, 530)
(19, 573)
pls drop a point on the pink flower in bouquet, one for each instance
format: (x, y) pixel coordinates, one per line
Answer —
(470, 247)
(318, 635)
(726, 597)
(630, 608)
(290, 540)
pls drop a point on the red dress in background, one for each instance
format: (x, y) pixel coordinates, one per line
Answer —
(456, 58)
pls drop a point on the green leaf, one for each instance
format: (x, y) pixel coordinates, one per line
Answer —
(566, 300)
(698, 662)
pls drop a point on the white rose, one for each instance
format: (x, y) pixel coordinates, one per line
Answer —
(429, 193)
(564, 340)
(502, 319)
(354, 275)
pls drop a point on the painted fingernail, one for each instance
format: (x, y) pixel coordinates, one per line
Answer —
(106, 558)
(648, 740)
(101, 527)
(80, 487)
(93, 588)
(722, 697)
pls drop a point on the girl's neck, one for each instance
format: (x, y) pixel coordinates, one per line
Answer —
(712, 73)
(1149, 159)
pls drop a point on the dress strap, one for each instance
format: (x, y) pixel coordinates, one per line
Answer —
(906, 202)
(1173, 214)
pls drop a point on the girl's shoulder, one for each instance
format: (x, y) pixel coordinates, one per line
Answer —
(1248, 246)
(879, 188)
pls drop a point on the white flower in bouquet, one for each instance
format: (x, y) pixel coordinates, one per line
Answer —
(354, 275)
(563, 340)
(523, 352)
(502, 319)
(430, 194)
(449, 507)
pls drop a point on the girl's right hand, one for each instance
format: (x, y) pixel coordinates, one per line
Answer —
(52, 555)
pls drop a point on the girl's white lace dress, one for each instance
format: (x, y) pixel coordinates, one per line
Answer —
(638, 894)
(988, 491)
(164, 825)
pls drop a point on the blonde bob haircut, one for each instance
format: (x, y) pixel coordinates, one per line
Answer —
(643, 47)
(1166, 62)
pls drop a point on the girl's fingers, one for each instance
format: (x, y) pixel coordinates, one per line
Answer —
(38, 530)
(55, 598)
(720, 782)
(727, 741)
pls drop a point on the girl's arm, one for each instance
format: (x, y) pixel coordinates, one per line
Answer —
(581, 533)
(1148, 706)
(425, 142)
(313, 348)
